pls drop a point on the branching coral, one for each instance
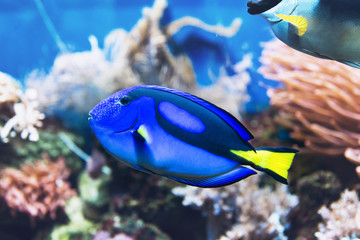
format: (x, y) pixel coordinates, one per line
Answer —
(25, 117)
(145, 53)
(320, 101)
(342, 219)
(175, 26)
(256, 211)
(36, 189)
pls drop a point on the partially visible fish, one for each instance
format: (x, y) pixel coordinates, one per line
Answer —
(327, 29)
(180, 136)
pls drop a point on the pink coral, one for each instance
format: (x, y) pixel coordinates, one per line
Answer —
(37, 188)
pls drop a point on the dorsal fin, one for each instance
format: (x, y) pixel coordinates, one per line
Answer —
(224, 115)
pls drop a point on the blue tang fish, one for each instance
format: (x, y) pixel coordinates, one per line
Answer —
(327, 29)
(180, 136)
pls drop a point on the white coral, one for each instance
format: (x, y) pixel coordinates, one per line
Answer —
(342, 219)
(27, 117)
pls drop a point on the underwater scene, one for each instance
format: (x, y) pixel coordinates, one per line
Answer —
(183, 120)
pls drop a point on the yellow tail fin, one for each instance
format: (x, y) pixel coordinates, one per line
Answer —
(274, 161)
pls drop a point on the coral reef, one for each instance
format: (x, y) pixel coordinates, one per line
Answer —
(24, 117)
(140, 56)
(341, 219)
(319, 100)
(37, 189)
(253, 211)
(124, 203)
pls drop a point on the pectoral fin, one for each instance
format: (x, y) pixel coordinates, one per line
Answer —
(142, 134)
(142, 139)
(227, 178)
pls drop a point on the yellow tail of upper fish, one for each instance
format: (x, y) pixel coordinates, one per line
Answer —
(274, 161)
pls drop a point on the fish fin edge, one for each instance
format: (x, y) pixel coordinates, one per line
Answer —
(352, 64)
(225, 179)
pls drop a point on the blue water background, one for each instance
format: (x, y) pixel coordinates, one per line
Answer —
(26, 43)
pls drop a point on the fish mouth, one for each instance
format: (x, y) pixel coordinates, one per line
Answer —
(133, 125)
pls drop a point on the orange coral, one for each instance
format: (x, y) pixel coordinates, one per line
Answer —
(36, 189)
(320, 102)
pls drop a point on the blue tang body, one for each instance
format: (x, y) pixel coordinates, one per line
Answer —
(177, 135)
(327, 29)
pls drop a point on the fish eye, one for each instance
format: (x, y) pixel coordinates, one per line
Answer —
(125, 100)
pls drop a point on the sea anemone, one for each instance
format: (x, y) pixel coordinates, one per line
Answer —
(319, 102)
